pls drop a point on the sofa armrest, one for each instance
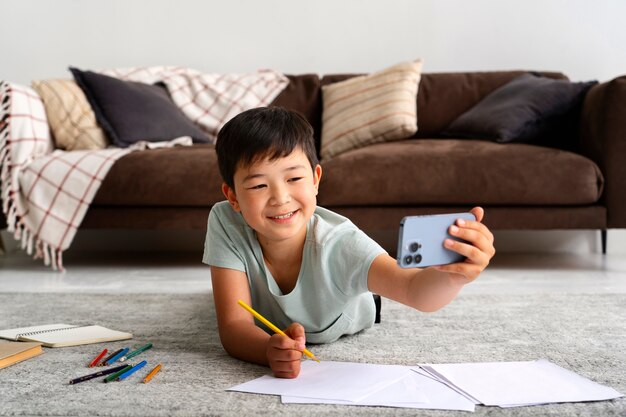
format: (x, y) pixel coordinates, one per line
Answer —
(603, 139)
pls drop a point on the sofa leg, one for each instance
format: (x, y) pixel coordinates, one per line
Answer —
(2, 249)
(603, 236)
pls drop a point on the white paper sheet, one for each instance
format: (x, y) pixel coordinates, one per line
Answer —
(400, 394)
(510, 384)
(404, 391)
(443, 387)
(329, 380)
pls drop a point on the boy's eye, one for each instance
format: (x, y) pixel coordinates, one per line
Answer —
(295, 179)
(257, 187)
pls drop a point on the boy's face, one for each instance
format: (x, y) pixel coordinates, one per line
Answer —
(276, 198)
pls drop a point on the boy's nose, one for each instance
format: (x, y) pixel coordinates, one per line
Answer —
(280, 196)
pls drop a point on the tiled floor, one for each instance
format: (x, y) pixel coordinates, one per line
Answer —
(182, 272)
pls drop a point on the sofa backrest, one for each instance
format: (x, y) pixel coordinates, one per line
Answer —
(304, 95)
(441, 98)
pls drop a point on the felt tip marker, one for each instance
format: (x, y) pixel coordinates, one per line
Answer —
(114, 376)
(97, 359)
(116, 357)
(96, 374)
(152, 373)
(131, 371)
(136, 352)
(105, 360)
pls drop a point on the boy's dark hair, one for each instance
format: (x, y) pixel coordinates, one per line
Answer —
(263, 132)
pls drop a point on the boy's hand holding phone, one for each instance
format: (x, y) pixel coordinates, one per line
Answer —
(477, 249)
(456, 243)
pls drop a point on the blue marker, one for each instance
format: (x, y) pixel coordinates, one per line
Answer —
(132, 370)
(119, 355)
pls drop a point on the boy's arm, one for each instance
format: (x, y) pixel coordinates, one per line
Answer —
(239, 334)
(432, 288)
(423, 289)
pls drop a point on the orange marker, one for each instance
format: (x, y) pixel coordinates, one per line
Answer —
(152, 373)
(95, 361)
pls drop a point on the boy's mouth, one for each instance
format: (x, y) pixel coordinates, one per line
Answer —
(284, 216)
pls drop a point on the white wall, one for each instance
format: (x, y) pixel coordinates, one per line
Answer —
(582, 38)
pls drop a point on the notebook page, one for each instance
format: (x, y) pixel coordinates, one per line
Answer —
(78, 336)
(11, 334)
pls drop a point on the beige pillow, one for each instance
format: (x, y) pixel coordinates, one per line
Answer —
(72, 121)
(369, 109)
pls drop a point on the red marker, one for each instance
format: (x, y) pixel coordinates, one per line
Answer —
(95, 361)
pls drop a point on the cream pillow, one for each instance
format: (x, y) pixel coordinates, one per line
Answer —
(369, 109)
(72, 121)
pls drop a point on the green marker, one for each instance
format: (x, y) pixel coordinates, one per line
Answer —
(136, 352)
(114, 376)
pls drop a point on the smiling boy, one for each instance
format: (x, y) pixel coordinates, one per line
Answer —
(306, 269)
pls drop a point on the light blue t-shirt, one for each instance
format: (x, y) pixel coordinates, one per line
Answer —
(331, 297)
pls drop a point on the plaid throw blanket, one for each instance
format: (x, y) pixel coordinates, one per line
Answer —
(46, 193)
(210, 100)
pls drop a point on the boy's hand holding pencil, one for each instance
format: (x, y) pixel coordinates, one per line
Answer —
(284, 349)
(284, 352)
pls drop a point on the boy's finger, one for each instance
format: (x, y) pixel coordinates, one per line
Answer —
(478, 212)
(286, 370)
(474, 225)
(472, 253)
(278, 341)
(475, 237)
(296, 332)
(286, 356)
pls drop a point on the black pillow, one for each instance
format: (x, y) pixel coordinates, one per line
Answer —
(130, 111)
(520, 111)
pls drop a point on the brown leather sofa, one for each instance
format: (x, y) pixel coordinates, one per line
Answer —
(521, 186)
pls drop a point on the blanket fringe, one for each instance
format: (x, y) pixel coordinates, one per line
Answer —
(5, 173)
(52, 256)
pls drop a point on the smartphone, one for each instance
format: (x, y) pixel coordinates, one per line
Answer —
(420, 241)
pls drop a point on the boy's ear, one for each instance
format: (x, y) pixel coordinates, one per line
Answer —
(317, 176)
(230, 195)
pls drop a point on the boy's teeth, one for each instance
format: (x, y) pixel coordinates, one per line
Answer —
(284, 216)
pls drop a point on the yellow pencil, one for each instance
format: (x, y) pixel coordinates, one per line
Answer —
(152, 373)
(271, 326)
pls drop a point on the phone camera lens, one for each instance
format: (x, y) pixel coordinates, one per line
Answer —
(418, 258)
(414, 246)
(408, 259)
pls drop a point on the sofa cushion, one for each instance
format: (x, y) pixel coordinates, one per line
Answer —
(130, 111)
(442, 97)
(303, 95)
(519, 111)
(370, 109)
(185, 176)
(458, 172)
(72, 121)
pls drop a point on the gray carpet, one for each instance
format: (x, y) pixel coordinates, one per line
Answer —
(583, 333)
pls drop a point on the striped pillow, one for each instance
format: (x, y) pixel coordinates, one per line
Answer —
(370, 109)
(72, 121)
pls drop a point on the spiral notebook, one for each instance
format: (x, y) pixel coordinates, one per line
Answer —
(59, 335)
